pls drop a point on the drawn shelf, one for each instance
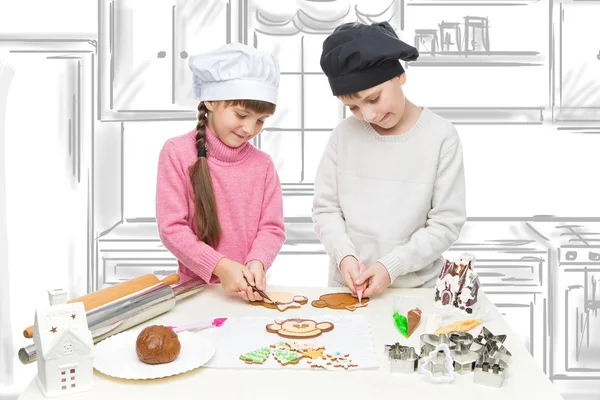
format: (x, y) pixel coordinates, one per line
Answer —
(471, 3)
(479, 59)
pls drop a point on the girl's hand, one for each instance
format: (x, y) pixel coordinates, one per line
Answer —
(377, 278)
(233, 275)
(258, 279)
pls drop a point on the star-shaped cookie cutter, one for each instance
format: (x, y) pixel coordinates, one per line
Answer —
(486, 344)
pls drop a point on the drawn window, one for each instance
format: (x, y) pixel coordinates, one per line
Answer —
(297, 134)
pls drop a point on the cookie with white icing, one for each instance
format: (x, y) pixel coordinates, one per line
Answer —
(281, 301)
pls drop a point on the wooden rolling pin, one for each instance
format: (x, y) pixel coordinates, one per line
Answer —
(111, 293)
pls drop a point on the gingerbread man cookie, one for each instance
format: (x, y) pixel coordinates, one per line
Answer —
(281, 301)
(339, 301)
(299, 328)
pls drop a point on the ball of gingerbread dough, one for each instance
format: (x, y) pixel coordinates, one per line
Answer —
(157, 344)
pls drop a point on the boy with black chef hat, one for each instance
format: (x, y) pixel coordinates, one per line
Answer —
(390, 187)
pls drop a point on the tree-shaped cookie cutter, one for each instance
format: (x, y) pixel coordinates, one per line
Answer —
(438, 365)
(403, 359)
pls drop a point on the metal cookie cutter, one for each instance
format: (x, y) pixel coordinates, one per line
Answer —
(490, 372)
(430, 342)
(403, 359)
(486, 344)
(438, 365)
(463, 340)
(464, 361)
(485, 337)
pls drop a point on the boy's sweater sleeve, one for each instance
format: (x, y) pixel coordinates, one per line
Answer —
(271, 229)
(444, 221)
(330, 225)
(172, 217)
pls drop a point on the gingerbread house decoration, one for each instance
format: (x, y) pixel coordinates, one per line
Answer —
(64, 347)
(458, 285)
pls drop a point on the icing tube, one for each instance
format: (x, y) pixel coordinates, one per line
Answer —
(199, 325)
(361, 269)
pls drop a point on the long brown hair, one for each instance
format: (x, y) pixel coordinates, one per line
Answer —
(208, 228)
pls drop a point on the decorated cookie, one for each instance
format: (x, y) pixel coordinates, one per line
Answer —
(299, 328)
(280, 345)
(304, 347)
(314, 354)
(281, 301)
(338, 355)
(256, 356)
(340, 301)
(344, 363)
(286, 356)
(319, 363)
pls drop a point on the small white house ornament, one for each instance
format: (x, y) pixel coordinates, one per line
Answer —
(64, 347)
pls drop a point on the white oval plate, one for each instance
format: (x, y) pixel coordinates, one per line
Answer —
(115, 356)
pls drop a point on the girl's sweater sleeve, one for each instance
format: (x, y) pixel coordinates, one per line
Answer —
(172, 217)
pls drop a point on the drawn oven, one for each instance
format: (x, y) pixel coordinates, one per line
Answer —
(577, 355)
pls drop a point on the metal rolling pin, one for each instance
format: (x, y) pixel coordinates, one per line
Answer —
(129, 311)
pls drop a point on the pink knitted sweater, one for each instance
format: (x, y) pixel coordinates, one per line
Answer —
(249, 202)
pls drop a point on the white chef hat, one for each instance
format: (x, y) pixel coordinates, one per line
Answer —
(235, 72)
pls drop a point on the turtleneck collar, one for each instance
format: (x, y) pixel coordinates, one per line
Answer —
(220, 153)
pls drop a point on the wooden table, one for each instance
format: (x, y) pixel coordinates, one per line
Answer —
(525, 380)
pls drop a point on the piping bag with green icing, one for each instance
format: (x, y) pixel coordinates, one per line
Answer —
(401, 323)
(407, 314)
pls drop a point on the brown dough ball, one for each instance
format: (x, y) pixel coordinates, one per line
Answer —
(157, 344)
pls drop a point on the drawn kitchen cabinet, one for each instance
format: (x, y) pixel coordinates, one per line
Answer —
(475, 42)
(49, 132)
(144, 53)
(578, 84)
(120, 261)
(514, 276)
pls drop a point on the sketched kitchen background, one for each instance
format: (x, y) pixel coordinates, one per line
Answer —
(519, 78)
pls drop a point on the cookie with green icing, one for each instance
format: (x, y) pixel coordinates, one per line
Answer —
(258, 356)
(286, 356)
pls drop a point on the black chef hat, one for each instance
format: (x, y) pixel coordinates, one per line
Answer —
(357, 56)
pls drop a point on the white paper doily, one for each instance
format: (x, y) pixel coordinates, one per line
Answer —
(116, 356)
(351, 334)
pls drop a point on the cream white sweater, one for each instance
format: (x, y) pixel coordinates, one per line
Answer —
(399, 200)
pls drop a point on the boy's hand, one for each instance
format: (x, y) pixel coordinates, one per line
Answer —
(259, 280)
(378, 277)
(350, 274)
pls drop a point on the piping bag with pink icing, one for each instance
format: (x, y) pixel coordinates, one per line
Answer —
(359, 292)
(217, 322)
